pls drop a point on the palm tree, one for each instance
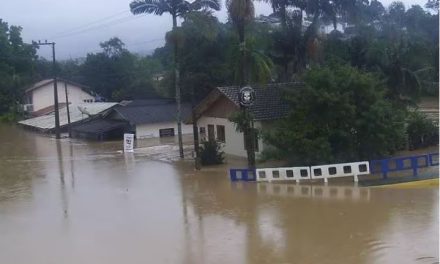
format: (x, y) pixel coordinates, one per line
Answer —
(176, 8)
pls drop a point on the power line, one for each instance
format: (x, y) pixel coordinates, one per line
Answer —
(111, 23)
(89, 24)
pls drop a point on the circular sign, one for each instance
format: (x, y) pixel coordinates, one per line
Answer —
(247, 96)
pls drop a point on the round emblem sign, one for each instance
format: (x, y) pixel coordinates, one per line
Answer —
(247, 96)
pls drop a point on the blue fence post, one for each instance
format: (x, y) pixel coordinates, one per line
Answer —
(414, 166)
(245, 175)
(384, 168)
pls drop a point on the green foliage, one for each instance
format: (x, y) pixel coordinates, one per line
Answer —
(340, 115)
(17, 62)
(241, 120)
(117, 74)
(211, 153)
(421, 131)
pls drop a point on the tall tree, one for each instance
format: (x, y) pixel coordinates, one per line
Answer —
(241, 13)
(176, 8)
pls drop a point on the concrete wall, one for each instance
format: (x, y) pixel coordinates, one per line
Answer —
(43, 97)
(234, 141)
(152, 130)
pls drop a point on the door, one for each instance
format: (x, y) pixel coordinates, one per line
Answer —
(211, 135)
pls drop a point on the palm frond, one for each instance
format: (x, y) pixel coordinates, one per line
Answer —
(157, 7)
(212, 4)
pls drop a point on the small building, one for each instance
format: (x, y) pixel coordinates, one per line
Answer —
(213, 114)
(152, 118)
(39, 98)
(100, 129)
(78, 113)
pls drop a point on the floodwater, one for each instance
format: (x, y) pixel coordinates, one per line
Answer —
(79, 202)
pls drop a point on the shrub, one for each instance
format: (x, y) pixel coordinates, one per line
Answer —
(341, 114)
(421, 131)
(210, 153)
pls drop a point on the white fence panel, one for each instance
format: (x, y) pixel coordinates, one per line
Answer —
(340, 170)
(283, 174)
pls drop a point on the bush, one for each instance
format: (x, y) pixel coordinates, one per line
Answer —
(421, 131)
(341, 114)
(210, 153)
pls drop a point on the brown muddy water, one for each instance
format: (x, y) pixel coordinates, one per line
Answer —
(79, 202)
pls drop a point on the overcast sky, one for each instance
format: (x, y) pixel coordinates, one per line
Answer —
(78, 26)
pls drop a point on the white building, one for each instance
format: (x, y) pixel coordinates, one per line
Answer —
(152, 118)
(213, 114)
(39, 98)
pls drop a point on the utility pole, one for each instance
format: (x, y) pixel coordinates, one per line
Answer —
(55, 88)
(67, 108)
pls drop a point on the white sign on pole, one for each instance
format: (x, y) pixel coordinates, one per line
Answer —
(128, 142)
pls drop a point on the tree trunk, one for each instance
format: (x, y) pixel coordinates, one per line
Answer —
(248, 133)
(197, 162)
(177, 87)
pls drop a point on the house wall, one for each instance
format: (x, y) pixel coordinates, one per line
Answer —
(43, 97)
(234, 141)
(152, 130)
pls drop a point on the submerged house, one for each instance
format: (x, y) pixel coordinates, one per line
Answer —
(78, 113)
(213, 114)
(144, 118)
(39, 98)
(152, 118)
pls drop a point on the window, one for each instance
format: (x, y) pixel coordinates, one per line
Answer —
(347, 169)
(332, 170)
(166, 132)
(221, 133)
(289, 173)
(202, 133)
(211, 135)
(257, 149)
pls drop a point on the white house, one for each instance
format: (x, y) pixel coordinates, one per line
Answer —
(39, 98)
(152, 118)
(213, 114)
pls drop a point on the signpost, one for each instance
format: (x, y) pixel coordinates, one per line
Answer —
(128, 142)
(247, 96)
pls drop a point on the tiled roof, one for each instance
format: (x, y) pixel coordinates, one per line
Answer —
(154, 111)
(269, 103)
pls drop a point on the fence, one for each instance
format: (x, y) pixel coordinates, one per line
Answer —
(413, 163)
(325, 172)
(283, 174)
(242, 174)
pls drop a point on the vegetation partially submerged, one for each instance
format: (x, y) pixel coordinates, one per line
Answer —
(359, 78)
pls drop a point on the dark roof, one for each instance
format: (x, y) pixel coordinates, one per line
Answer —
(154, 112)
(269, 103)
(147, 102)
(99, 125)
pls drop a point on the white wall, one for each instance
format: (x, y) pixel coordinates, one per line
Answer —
(234, 141)
(152, 130)
(43, 97)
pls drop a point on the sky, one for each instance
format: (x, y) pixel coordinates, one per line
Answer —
(78, 26)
